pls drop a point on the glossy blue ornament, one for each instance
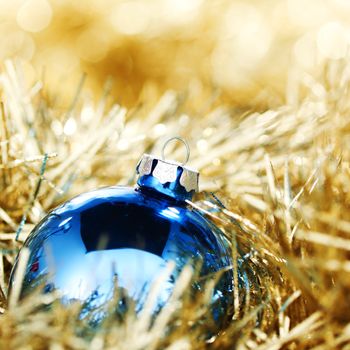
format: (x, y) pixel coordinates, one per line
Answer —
(124, 237)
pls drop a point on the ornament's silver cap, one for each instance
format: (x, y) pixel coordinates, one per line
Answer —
(168, 177)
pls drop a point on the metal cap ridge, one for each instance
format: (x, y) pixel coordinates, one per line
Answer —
(168, 177)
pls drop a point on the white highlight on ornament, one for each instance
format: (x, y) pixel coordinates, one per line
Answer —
(66, 221)
(34, 15)
(170, 212)
(332, 41)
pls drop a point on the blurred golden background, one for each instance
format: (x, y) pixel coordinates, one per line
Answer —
(261, 91)
(243, 51)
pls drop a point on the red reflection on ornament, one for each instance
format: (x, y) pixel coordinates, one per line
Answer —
(35, 266)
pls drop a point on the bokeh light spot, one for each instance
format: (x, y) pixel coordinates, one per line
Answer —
(17, 44)
(179, 11)
(92, 38)
(249, 35)
(332, 40)
(130, 17)
(246, 39)
(308, 13)
(305, 51)
(34, 15)
(70, 127)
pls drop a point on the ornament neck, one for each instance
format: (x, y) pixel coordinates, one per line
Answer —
(151, 192)
(169, 178)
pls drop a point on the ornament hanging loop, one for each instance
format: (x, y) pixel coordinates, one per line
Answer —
(188, 152)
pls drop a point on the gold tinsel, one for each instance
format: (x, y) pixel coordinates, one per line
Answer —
(260, 89)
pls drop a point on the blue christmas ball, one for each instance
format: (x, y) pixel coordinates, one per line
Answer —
(123, 237)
